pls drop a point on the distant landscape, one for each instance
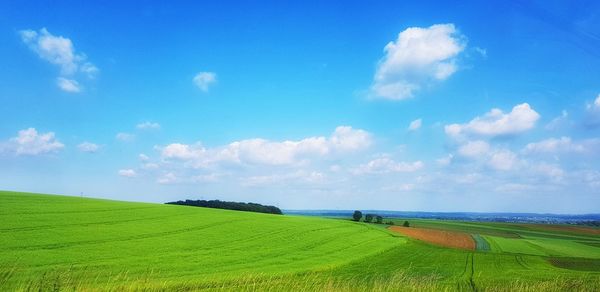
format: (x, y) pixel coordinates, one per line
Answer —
(585, 219)
(60, 243)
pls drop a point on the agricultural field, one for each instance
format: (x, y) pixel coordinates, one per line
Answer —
(61, 243)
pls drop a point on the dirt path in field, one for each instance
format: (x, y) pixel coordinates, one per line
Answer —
(438, 237)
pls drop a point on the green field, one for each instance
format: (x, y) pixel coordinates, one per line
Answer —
(68, 243)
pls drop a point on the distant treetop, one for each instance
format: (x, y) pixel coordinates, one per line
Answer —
(238, 206)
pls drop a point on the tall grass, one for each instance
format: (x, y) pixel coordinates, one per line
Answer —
(66, 281)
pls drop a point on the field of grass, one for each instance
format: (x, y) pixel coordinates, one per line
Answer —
(69, 243)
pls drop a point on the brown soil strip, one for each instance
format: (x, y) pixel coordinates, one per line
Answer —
(438, 237)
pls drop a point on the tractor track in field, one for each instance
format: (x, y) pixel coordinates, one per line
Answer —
(521, 261)
(135, 237)
(468, 283)
(110, 222)
(78, 211)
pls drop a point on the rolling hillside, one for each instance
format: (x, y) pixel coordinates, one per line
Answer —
(60, 243)
(103, 239)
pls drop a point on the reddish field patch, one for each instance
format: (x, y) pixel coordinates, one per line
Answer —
(438, 237)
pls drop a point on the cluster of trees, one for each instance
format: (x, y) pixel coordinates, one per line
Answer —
(238, 206)
(368, 217)
(357, 215)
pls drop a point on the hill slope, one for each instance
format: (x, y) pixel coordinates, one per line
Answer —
(70, 243)
(101, 239)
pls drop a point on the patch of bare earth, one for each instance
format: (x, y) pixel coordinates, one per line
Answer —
(438, 237)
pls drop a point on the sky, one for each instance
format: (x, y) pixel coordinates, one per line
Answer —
(390, 105)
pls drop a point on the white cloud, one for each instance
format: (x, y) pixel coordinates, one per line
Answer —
(415, 125)
(125, 137)
(481, 51)
(595, 105)
(68, 85)
(445, 161)
(59, 51)
(168, 178)
(474, 149)
(482, 153)
(297, 177)
(496, 123)
(89, 69)
(593, 113)
(345, 138)
(143, 157)
(30, 142)
(148, 126)
(417, 58)
(553, 145)
(183, 151)
(88, 147)
(503, 160)
(204, 178)
(127, 173)
(150, 166)
(550, 170)
(265, 152)
(204, 80)
(387, 165)
(558, 121)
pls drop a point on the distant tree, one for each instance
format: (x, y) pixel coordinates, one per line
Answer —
(239, 206)
(390, 223)
(406, 224)
(379, 219)
(369, 218)
(357, 215)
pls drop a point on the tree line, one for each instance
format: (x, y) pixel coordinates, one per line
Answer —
(357, 215)
(238, 206)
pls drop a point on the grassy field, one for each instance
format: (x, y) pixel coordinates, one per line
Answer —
(69, 243)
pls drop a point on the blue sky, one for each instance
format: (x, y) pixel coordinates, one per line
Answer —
(338, 105)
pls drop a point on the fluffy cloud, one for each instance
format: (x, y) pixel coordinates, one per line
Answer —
(127, 173)
(474, 149)
(497, 123)
(30, 142)
(148, 126)
(68, 85)
(297, 177)
(553, 145)
(387, 165)
(483, 153)
(417, 58)
(125, 137)
(265, 152)
(59, 51)
(88, 147)
(415, 125)
(503, 160)
(204, 80)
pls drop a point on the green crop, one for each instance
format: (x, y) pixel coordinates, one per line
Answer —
(71, 244)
